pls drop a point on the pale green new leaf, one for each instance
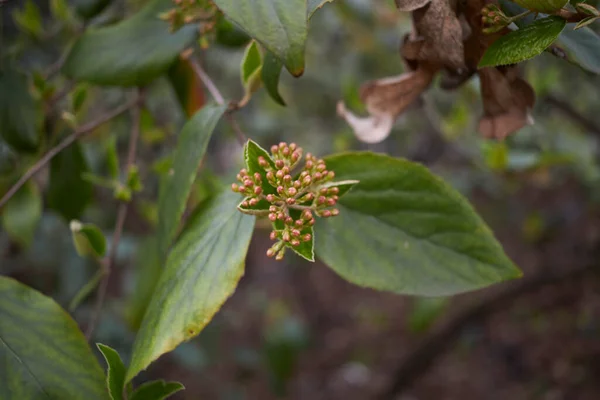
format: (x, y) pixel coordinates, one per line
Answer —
(88, 239)
(131, 53)
(191, 147)
(524, 43)
(279, 25)
(43, 354)
(156, 390)
(402, 229)
(22, 213)
(202, 271)
(115, 371)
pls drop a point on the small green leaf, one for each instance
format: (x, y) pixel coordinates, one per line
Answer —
(86, 290)
(542, 6)
(156, 390)
(404, 230)
(115, 371)
(271, 71)
(44, 354)
(202, 271)
(20, 119)
(78, 98)
(90, 8)
(279, 25)
(425, 312)
(524, 43)
(585, 22)
(251, 62)
(314, 5)
(251, 153)
(22, 214)
(190, 150)
(68, 192)
(134, 52)
(60, 10)
(88, 239)
(29, 19)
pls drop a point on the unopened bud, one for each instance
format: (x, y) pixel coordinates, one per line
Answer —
(281, 216)
(290, 201)
(331, 202)
(270, 198)
(243, 172)
(280, 255)
(272, 217)
(309, 164)
(334, 190)
(289, 220)
(274, 149)
(287, 178)
(253, 202)
(292, 191)
(285, 151)
(280, 189)
(307, 237)
(235, 187)
(273, 235)
(295, 242)
(326, 214)
(257, 190)
(295, 232)
(335, 212)
(321, 200)
(311, 222)
(270, 252)
(245, 204)
(307, 215)
(297, 184)
(299, 223)
(257, 177)
(293, 146)
(279, 164)
(248, 183)
(307, 180)
(317, 176)
(272, 208)
(286, 236)
(270, 176)
(321, 167)
(279, 174)
(262, 162)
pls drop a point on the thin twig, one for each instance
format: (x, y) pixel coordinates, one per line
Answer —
(110, 261)
(567, 109)
(216, 94)
(81, 131)
(435, 343)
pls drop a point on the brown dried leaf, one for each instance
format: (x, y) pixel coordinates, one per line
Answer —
(385, 100)
(410, 5)
(507, 100)
(437, 36)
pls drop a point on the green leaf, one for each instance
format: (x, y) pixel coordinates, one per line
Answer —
(314, 5)
(60, 10)
(22, 214)
(68, 193)
(402, 229)
(86, 290)
(156, 390)
(542, 6)
(133, 52)
(251, 62)
(90, 8)
(252, 151)
(279, 25)
(585, 22)
(20, 120)
(524, 43)
(190, 150)
(187, 86)
(271, 71)
(227, 34)
(425, 312)
(582, 47)
(115, 371)
(78, 98)
(44, 354)
(29, 19)
(202, 271)
(88, 239)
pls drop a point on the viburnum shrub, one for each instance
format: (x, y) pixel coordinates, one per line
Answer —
(378, 221)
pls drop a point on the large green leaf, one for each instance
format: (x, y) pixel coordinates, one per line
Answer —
(582, 47)
(131, 53)
(191, 147)
(68, 193)
(271, 71)
(524, 43)
(280, 25)
(404, 230)
(115, 371)
(22, 213)
(314, 5)
(90, 8)
(19, 116)
(43, 354)
(202, 271)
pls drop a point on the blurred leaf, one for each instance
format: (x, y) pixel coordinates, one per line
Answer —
(425, 311)
(86, 290)
(227, 34)
(191, 146)
(68, 193)
(279, 25)
(115, 372)
(29, 19)
(8, 160)
(524, 43)
(585, 22)
(45, 355)
(88, 9)
(19, 115)
(543, 6)
(131, 53)
(112, 157)
(251, 70)
(314, 5)
(187, 86)
(271, 71)
(148, 266)
(156, 390)
(88, 239)
(495, 154)
(78, 97)
(60, 10)
(202, 271)
(582, 48)
(22, 214)
(402, 229)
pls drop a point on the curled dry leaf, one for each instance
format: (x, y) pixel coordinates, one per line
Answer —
(385, 100)
(507, 100)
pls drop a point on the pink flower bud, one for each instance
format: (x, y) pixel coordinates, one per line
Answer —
(290, 201)
(326, 214)
(253, 202)
(307, 180)
(321, 167)
(289, 220)
(323, 191)
(273, 235)
(321, 200)
(257, 177)
(257, 190)
(307, 237)
(299, 223)
(297, 184)
(286, 170)
(274, 149)
(292, 191)
(248, 183)
(279, 164)
(295, 242)
(335, 212)
(280, 255)
(279, 174)
(334, 190)
(235, 187)
(287, 178)
(331, 202)
(317, 176)
(331, 174)
(295, 232)
(309, 164)
(270, 176)
(293, 146)
(309, 156)
(281, 216)
(270, 198)
(243, 172)
(311, 222)
(270, 252)
(306, 215)
(285, 151)
(280, 189)
(286, 236)
(262, 162)
(272, 217)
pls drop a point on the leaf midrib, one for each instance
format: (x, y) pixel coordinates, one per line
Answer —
(15, 355)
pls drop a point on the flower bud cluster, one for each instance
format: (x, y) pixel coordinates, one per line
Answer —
(493, 19)
(191, 11)
(292, 201)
